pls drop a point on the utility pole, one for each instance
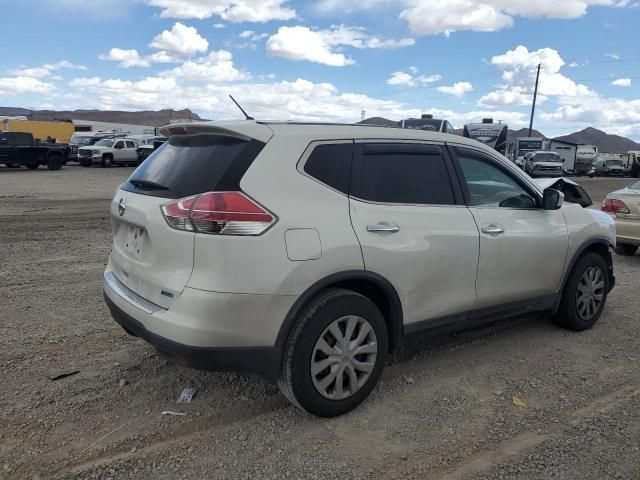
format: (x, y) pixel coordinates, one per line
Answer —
(535, 96)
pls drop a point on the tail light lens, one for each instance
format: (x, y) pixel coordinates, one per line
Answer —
(218, 213)
(613, 205)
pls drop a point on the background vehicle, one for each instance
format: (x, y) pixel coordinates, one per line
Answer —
(525, 145)
(82, 139)
(608, 167)
(249, 246)
(586, 156)
(631, 163)
(624, 206)
(491, 134)
(543, 164)
(108, 152)
(428, 123)
(149, 145)
(19, 149)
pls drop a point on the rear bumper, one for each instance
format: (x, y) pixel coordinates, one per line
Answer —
(263, 361)
(628, 231)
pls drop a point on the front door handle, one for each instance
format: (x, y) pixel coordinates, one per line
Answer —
(383, 227)
(492, 229)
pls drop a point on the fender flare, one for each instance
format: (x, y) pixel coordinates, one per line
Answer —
(396, 316)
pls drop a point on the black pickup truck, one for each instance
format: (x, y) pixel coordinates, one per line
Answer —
(21, 149)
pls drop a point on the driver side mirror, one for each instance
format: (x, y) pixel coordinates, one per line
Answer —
(3, 141)
(552, 199)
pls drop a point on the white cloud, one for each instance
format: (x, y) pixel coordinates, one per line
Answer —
(180, 40)
(218, 26)
(519, 74)
(622, 82)
(230, 10)
(458, 89)
(10, 86)
(302, 43)
(45, 70)
(251, 39)
(126, 58)
(409, 80)
(216, 67)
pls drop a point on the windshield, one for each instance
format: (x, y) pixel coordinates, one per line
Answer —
(105, 143)
(80, 140)
(547, 157)
(614, 163)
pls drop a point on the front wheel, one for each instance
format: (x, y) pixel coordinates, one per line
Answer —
(33, 165)
(107, 161)
(626, 249)
(585, 294)
(54, 162)
(335, 354)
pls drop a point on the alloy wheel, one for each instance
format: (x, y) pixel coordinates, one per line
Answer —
(590, 293)
(344, 357)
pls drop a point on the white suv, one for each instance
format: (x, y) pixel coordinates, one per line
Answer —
(306, 253)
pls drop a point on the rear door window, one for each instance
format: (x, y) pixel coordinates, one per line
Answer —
(187, 165)
(331, 165)
(403, 173)
(130, 144)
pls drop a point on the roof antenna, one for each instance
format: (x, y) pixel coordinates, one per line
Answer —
(247, 117)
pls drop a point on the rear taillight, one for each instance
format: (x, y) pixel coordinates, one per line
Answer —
(218, 213)
(613, 205)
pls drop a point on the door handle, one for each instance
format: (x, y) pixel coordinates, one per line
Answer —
(383, 227)
(492, 229)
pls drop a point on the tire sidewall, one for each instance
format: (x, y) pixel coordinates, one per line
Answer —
(301, 381)
(107, 161)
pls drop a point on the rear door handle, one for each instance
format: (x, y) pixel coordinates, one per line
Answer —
(492, 229)
(383, 227)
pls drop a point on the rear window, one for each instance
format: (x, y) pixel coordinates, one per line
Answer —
(404, 173)
(190, 164)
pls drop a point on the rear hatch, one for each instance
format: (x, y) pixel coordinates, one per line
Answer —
(149, 256)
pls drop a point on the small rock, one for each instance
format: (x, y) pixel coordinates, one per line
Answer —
(123, 382)
(408, 380)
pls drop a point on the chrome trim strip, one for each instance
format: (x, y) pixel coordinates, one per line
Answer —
(126, 294)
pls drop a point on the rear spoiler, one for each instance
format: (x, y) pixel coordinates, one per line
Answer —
(245, 130)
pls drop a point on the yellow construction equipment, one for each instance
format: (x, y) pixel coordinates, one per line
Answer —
(61, 132)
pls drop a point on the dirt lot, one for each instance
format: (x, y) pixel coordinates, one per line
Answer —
(443, 411)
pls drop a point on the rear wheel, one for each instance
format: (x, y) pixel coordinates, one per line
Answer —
(335, 354)
(585, 294)
(107, 161)
(54, 162)
(626, 249)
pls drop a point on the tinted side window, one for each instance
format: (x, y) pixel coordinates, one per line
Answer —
(331, 165)
(19, 139)
(119, 145)
(404, 173)
(130, 144)
(490, 186)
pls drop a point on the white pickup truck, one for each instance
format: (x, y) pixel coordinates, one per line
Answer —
(108, 152)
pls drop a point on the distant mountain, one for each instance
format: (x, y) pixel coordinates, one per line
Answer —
(151, 118)
(606, 143)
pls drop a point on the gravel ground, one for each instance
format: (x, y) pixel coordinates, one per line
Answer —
(442, 411)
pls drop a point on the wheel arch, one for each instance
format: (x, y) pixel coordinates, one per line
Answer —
(373, 286)
(600, 246)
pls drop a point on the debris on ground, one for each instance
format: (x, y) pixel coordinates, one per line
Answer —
(59, 375)
(518, 402)
(186, 395)
(123, 382)
(171, 412)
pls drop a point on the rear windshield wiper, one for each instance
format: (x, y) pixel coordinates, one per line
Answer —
(147, 184)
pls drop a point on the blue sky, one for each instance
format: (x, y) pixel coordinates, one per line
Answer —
(330, 60)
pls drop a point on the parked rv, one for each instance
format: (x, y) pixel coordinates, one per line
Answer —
(631, 163)
(428, 123)
(491, 134)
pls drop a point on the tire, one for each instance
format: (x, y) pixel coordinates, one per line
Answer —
(85, 163)
(54, 162)
(32, 165)
(303, 387)
(626, 250)
(107, 161)
(571, 314)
